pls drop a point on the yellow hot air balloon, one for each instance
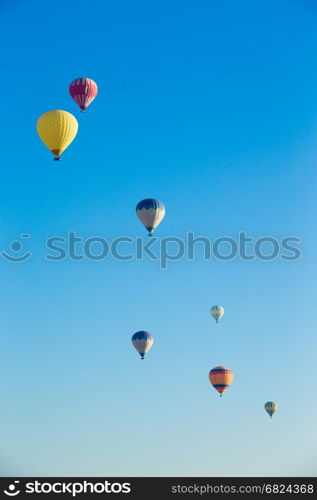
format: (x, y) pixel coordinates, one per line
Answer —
(57, 129)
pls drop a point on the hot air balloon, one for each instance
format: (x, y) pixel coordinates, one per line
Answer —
(57, 129)
(217, 312)
(150, 212)
(83, 91)
(271, 407)
(143, 342)
(221, 378)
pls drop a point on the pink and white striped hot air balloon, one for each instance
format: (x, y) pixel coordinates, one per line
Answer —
(83, 91)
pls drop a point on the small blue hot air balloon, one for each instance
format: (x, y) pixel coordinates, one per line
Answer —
(150, 212)
(143, 342)
(271, 407)
(217, 312)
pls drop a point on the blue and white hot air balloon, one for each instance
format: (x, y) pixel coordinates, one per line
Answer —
(150, 212)
(217, 312)
(143, 342)
(271, 408)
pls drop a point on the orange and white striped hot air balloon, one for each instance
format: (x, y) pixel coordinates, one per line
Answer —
(221, 378)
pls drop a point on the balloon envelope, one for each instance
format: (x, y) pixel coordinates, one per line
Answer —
(83, 91)
(143, 342)
(57, 129)
(221, 378)
(217, 312)
(150, 212)
(271, 407)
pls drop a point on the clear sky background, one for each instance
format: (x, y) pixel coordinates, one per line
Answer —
(210, 107)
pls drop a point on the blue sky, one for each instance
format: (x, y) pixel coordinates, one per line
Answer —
(210, 107)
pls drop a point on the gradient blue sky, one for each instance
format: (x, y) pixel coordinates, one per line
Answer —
(212, 108)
